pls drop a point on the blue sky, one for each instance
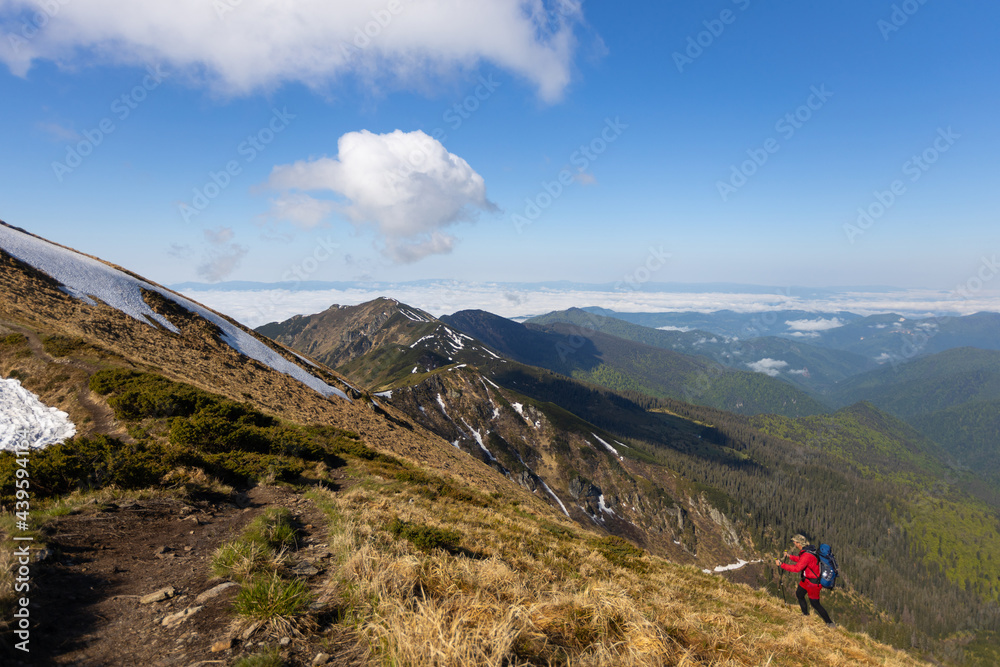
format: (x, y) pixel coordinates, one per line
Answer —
(746, 157)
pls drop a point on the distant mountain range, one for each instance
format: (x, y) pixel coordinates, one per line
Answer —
(703, 452)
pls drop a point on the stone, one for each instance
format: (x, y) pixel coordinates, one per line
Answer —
(214, 592)
(158, 596)
(173, 620)
(284, 641)
(321, 659)
(223, 645)
(304, 569)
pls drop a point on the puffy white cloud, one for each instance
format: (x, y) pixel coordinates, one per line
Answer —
(405, 185)
(768, 366)
(238, 46)
(820, 324)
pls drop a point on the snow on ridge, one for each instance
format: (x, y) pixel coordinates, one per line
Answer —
(479, 439)
(604, 507)
(553, 494)
(84, 277)
(27, 422)
(609, 447)
(385, 394)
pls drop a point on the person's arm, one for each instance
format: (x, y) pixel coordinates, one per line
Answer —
(797, 566)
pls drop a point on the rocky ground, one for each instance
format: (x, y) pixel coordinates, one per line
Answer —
(131, 584)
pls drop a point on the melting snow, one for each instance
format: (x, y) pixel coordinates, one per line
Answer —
(27, 422)
(735, 566)
(553, 494)
(479, 439)
(84, 277)
(609, 447)
(385, 394)
(604, 508)
(492, 382)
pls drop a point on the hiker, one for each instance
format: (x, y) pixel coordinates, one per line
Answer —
(807, 565)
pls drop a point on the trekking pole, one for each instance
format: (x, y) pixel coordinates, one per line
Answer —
(781, 584)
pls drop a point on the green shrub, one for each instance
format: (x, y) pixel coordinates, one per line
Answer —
(270, 657)
(268, 597)
(61, 346)
(88, 463)
(244, 468)
(241, 559)
(425, 537)
(13, 340)
(275, 529)
(621, 552)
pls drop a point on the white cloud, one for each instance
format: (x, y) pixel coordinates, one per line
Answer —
(768, 366)
(256, 307)
(820, 324)
(300, 209)
(239, 46)
(801, 371)
(804, 334)
(405, 185)
(669, 328)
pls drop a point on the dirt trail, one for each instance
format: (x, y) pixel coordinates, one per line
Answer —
(86, 599)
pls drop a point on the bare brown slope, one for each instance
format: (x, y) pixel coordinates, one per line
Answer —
(32, 302)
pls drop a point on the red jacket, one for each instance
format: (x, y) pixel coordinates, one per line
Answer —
(805, 563)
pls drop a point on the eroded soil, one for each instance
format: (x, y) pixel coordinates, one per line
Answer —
(86, 599)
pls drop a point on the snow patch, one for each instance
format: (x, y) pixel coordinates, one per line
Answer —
(735, 566)
(609, 447)
(84, 277)
(604, 508)
(27, 422)
(479, 439)
(553, 494)
(385, 394)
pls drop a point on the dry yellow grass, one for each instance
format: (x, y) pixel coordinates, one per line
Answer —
(515, 593)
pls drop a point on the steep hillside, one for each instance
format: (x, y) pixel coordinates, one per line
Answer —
(606, 455)
(339, 524)
(623, 365)
(456, 387)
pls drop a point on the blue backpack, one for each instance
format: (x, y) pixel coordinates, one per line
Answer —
(828, 569)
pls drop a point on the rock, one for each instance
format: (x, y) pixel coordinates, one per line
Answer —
(223, 645)
(304, 569)
(159, 551)
(284, 641)
(248, 633)
(321, 659)
(173, 620)
(214, 592)
(158, 596)
(193, 519)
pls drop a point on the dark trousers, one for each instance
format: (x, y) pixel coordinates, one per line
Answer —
(801, 593)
